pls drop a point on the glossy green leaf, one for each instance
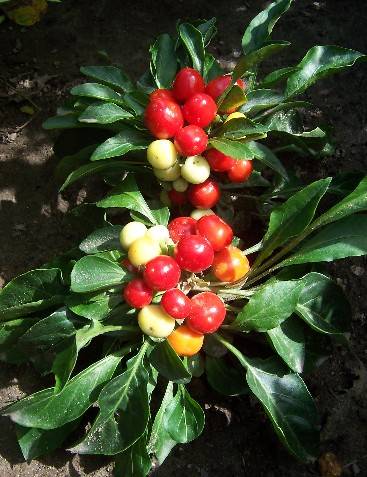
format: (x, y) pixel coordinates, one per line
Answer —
(160, 213)
(11, 331)
(36, 442)
(269, 306)
(64, 121)
(64, 363)
(323, 305)
(33, 291)
(164, 62)
(106, 166)
(134, 461)
(292, 217)
(123, 412)
(275, 77)
(249, 61)
(239, 128)
(129, 139)
(288, 340)
(260, 99)
(344, 238)
(235, 149)
(97, 91)
(183, 418)
(288, 404)
(50, 330)
(267, 157)
(234, 99)
(92, 273)
(94, 306)
(320, 61)
(106, 238)
(224, 379)
(127, 195)
(103, 113)
(259, 30)
(160, 442)
(69, 163)
(193, 41)
(110, 75)
(208, 30)
(46, 410)
(136, 101)
(168, 364)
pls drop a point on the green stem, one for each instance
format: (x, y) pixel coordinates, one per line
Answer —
(245, 363)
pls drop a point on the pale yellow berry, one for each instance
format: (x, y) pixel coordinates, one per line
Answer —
(154, 321)
(131, 232)
(198, 213)
(159, 233)
(143, 250)
(196, 170)
(162, 154)
(180, 185)
(170, 174)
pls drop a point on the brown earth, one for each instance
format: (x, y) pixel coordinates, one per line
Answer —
(40, 64)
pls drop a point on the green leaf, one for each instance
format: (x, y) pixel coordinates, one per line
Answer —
(164, 62)
(46, 410)
(259, 30)
(270, 305)
(92, 273)
(292, 217)
(160, 213)
(320, 61)
(275, 77)
(249, 61)
(160, 442)
(112, 166)
(103, 113)
(288, 404)
(184, 418)
(239, 128)
(97, 91)
(260, 99)
(36, 442)
(69, 163)
(323, 305)
(136, 101)
(64, 363)
(33, 291)
(129, 139)
(106, 238)
(91, 305)
(123, 412)
(235, 98)
(351, 204)
(64, 121)
(193, 41)
(165, 360)
(345, 238)
(134, 461)
(288, 340)
(208, 30)
(267, 157)
(224, 379)
(11, 331)
(127, 195)
(51, 330)
(110, 75)
(235, 149)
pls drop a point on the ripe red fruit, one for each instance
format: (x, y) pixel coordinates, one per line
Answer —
(176, 304)
(205, 195)
(162, 273)
(200, 110)
(163, 118)
(194, 253)
(181, 227)
(137, 293)
(217, 86)
(125, 263)
(214, 229)
(218, 161)
(207, 313)
(230, 264)
(161, 94)
(191, 140)
(177, 198)
(240, 171)
(187, 83)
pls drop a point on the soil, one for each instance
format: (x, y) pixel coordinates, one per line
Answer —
(40, 64)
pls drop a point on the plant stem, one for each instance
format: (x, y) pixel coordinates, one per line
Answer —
(241, 358)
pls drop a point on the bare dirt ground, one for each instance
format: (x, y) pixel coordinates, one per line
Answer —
(41, 63)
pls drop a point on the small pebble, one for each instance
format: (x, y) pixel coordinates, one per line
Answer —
(359, 271)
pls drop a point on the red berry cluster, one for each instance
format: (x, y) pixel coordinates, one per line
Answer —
(182, 114)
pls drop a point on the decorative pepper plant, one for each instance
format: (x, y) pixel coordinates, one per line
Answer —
(165, 289)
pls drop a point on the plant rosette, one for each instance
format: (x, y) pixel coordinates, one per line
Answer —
(175, 293)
